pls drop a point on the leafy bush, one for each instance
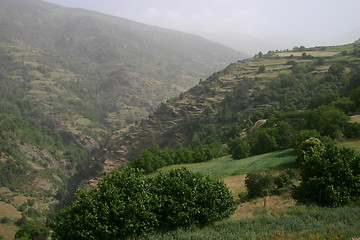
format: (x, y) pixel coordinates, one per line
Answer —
(155, 157)
(128, 203)
(285, 179)
(330, 176)
(239, 148)
(32, 230)
(121, 207)
(259, 184)
(190, 199)
(4, 220)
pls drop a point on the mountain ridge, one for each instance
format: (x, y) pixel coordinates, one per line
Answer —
(236, 89)
(70, 77)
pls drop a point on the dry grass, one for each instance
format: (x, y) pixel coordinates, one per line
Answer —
(8, 231)
(355, 118)
(270, 204)
(20, 200)
(9, 211)
(311, 53)
(236, 184)
(352, 143)
(4, 190)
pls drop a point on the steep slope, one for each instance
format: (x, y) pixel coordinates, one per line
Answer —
(70, 77)
(237, 97)
(128, 67)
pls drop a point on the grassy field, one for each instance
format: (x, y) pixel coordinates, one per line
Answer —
(297, 222)
(281, 218)
(226, 167)
(351, 143)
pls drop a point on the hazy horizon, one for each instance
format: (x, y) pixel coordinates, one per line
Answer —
(248, 26)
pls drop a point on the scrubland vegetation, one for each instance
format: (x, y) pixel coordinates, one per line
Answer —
(283, 124)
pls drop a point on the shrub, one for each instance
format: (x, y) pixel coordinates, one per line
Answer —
(128, 203)
(32, 230)
(189, 199)
(330, 177)
(261, 69)
(239, 148)
(285, 179)
(121, 207)
(259, 184)
(4, 220)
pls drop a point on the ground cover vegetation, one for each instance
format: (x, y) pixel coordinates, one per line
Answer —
(68, 79)
(306, 107)
(254, 122)
(298, 222)
(128, 203)
(241, 110)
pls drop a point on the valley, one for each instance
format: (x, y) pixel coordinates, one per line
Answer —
(82, 93)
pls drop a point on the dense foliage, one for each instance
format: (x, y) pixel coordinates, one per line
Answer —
(330, 175)
(128, 203)
(31, 231)
(188, 199)
(155, 157)
(262, 184)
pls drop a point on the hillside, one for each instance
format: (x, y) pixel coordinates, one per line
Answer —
(240, 97)
(127, 68)
(68, 78)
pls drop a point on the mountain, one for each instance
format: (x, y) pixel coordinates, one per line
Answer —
(127, 66)
(68, 79)
(241, 98)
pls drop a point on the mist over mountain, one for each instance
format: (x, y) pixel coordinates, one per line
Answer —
(83, 92)
(68, 79)
(122, 60)
(248, 26)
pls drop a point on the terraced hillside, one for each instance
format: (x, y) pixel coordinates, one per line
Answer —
(238, 96)
(125, 68)
(68, 78)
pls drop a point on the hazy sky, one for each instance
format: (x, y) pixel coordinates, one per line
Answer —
(247, 25)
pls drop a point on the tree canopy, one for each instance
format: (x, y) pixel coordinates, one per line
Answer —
(128, 203)
(330, 175)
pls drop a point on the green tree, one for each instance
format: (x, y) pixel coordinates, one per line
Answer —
(119, 208)
(328, 120)
(309, 147)
(263, 141)
(190, 199)
(330, 177)
(32, 231)
(336, 69)
(355, 96)
(259, 184)
(128, 203)
(183, 155)
(354, 80)
(239, 148)
(261, 69)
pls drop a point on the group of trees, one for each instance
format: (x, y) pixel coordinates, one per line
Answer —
(128, 203)
(155, 157)
(330, 175)
(327, 118)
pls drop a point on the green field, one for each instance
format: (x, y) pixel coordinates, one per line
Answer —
(291, 222)
(298, 222)
(226, 167)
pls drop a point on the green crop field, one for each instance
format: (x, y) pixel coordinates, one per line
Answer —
(226, 166)
(298, 222)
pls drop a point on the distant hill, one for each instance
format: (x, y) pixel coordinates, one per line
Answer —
(240, 98)
(127, 65)
(68, 79)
